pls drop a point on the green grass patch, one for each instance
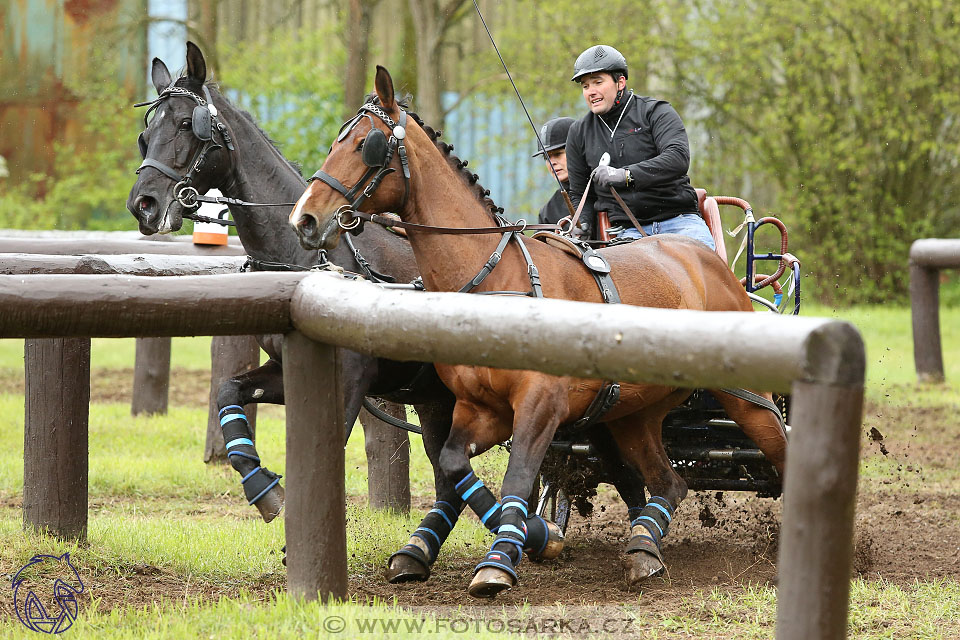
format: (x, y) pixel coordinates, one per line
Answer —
(119, 353)
(156, 505)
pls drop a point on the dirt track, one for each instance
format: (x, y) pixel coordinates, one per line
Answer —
(907, 529)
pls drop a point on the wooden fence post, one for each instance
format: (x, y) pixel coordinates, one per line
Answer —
(315, 515)
(229, 355)
(819, 499)
(151, 376)
(925, 313)
(388, 459)
(55, 435)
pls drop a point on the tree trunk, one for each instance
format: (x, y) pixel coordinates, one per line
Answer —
(428, 26)
(358, 49)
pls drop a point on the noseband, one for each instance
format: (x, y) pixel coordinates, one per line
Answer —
(204, 124)
(377, 153)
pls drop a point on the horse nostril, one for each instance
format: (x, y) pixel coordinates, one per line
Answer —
(307, 225)
(145, 205)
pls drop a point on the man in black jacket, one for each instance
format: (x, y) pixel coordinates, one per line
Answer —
(648, 155)
(553, 134)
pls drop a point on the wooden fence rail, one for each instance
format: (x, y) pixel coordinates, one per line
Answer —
(927, 258)
(820, 361)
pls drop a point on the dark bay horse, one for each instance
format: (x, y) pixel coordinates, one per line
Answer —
(255, 171)
(492, 404)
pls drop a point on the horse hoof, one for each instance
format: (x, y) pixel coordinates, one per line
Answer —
(271, 504)
(404, 568)
(644, 565)
(490, 581)
(555, 542)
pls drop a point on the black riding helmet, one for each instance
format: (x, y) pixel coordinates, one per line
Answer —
(599, 57)
(553, 134)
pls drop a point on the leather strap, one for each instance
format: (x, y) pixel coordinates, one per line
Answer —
(629, 213)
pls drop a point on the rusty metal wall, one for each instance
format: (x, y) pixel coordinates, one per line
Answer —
(44, 50)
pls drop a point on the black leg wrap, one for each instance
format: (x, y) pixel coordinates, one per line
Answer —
(472, 491)
(512, 533)
(425, 542)
(537, 536)
(258, 482)
(649, 526)
(238, 439)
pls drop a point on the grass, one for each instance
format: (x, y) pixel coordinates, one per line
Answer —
(156, 506)
(118, 353)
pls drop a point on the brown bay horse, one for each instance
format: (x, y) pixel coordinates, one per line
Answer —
(424, 186)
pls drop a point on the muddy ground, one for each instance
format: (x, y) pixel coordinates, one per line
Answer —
(907, 529)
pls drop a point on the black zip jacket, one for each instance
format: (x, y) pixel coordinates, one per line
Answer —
(652, 144)
(555, 208)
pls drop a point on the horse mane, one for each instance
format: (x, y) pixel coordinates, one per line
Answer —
(472, 179)
(185, 80)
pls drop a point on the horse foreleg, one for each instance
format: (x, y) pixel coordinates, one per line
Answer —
(264, 384)
(412, 561)
(638, 438)
(536, 417)
(760, 425)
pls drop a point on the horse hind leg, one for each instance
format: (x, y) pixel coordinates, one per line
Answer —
(412, 562)
(264, 384)
(638, 438)
(536, 417)
(759, 424)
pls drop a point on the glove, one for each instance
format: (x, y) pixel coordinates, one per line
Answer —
(606, 176)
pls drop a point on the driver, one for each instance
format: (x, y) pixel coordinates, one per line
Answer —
(648, 150)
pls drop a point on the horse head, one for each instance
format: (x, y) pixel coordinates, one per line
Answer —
(369, 155)
(185, 148)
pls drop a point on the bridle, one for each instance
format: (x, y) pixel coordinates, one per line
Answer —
(377, 153)
(204, 123)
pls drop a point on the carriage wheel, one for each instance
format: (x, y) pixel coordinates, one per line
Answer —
(554, 504)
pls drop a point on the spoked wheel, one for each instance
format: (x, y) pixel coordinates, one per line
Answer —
(554, 504)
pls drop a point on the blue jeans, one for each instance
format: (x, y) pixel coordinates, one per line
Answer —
(685, 224)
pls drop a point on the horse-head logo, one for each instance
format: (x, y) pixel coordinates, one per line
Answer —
(45, 593)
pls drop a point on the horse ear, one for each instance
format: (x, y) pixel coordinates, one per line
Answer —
(160, 75)
(384, 86)
(196, 65)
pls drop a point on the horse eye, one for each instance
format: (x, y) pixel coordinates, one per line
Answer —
(185, 124)
(360, 144)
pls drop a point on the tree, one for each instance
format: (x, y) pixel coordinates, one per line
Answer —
(848, 109)
(432, 20)
(359, 17)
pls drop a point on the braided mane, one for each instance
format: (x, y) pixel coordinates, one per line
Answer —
(472, 179)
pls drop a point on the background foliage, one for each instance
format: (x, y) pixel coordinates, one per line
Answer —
(840, 117)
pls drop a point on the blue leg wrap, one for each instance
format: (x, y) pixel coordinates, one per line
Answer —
(507, 550)
(257, 480)
(425, 542)
(649, 525)
(473, 492)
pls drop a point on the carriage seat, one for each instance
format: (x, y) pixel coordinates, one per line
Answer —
(710, 212)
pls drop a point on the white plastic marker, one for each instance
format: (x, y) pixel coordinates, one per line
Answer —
(211, 232)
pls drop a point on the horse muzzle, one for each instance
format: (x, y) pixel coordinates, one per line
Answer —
(152, 218)
(315, 234)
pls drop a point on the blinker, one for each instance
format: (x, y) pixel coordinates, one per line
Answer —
(201, 123)
(142, 144)
(375, 148)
